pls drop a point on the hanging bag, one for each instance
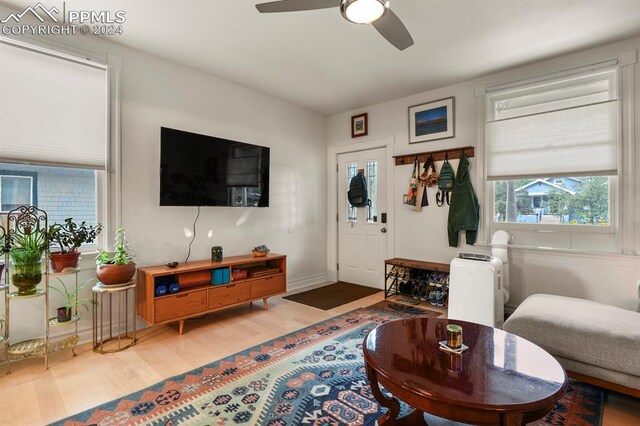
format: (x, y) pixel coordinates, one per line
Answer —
(429, 175)
(413, 193)
(445, 182)
(428, 178)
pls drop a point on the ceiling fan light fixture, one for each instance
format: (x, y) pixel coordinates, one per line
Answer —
(363, 11)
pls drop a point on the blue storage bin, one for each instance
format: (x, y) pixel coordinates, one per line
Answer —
(174, 288)
(220, 276)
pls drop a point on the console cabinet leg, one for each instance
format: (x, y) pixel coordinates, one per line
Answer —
(180, 326)
(266, 305)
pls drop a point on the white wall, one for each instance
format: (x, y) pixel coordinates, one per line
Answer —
(423, 235)
(156, 92)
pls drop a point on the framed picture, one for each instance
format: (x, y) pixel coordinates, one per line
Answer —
(431, 121)
(359, 125)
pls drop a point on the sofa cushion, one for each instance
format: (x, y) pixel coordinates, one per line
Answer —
(582, 330)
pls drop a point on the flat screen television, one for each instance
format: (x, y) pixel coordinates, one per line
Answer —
(200, 170)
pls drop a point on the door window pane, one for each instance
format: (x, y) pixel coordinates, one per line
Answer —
(352, 212)
(371, 171)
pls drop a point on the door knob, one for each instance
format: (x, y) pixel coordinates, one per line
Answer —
(383, 230)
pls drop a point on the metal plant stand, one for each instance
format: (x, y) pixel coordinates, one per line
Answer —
(22, 222)
(123, 312)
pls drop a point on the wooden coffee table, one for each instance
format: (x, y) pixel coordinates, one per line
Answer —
(501, 379)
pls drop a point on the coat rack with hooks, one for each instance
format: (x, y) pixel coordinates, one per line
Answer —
(438, 155)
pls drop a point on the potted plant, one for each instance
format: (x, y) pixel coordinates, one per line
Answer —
(69, 237)
(121, 268)
(72, 300)
(26, 250)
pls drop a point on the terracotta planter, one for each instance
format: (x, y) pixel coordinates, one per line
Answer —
(60, 261)
(111, 274)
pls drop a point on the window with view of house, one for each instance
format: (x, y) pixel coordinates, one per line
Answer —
(552, 147)
(60, 191)
(53, 133)
(571, 200)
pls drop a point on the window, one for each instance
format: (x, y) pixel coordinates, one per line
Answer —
(372, 187)
(16, 190)
(53, 133)
(552, 149)
(371, 175)
(60, 191)
(553, 201)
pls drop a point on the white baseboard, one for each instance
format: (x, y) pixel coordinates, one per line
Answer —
(307, 283)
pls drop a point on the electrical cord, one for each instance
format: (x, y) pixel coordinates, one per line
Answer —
(194, 234)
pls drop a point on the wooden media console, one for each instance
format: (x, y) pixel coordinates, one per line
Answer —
(264, 277)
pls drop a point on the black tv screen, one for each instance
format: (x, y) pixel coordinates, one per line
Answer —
(200, 170)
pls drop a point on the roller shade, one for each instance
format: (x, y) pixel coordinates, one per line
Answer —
(52, 110)
(563, 127)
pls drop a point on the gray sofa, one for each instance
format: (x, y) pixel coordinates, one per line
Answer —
(595, 343)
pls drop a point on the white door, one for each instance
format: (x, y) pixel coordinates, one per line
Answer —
(362, 238)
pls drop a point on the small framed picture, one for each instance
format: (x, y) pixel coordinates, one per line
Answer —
(359, 125)
(431, 121)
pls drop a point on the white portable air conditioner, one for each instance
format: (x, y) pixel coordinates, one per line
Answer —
(475, 289)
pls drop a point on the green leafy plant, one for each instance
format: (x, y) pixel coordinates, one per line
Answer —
(26, 251)
(122, 251)
(69, 236)
(72, 297)
(27, 247)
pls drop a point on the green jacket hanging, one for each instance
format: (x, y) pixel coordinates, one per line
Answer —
(464, 211)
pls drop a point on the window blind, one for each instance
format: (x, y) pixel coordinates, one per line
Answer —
(53, 111)
(559, 127)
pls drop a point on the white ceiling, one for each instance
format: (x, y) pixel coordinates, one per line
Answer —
(318, 60)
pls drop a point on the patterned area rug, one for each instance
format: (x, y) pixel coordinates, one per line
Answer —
(313, 377)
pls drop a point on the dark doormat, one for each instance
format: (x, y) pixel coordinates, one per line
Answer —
(332, 295)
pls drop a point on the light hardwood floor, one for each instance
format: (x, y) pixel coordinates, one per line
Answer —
(31, 395)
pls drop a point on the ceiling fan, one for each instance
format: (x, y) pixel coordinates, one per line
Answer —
(374, 12)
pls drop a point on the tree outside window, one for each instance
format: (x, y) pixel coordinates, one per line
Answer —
(569, 200)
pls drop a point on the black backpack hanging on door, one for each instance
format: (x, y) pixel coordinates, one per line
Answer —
(358, 195)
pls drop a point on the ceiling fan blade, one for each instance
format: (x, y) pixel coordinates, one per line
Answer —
(392, 28)
(296, 5)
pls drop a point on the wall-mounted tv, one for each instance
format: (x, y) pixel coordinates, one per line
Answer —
(200, 170)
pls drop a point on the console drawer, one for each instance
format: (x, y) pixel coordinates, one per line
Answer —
(228, 294)
(179, 305)
(268, 285)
